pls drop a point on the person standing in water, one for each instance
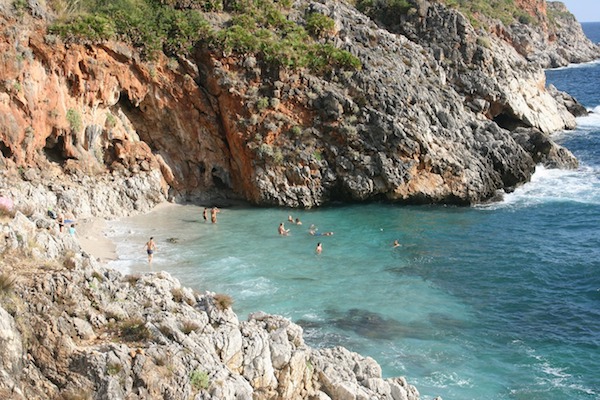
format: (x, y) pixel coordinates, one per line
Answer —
(213, 214)
(150, 249)
(205, 214)
(319, 248)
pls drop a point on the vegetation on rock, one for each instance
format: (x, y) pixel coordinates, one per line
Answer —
(507, 11)
(260, 28)
(384, 10)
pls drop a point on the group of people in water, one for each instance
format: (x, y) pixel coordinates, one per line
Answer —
(312, 231)
(151, 247)
(213, 214)
(282, 230)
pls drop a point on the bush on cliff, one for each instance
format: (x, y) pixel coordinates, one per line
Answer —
(386, 11)
(504, 10)
(7, 283)
(257, 27)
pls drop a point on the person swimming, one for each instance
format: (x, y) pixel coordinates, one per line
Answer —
(314, 232)
(282, 231)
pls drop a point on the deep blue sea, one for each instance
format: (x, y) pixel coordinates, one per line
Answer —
(491, 302)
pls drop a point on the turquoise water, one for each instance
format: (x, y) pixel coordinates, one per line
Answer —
(491, 302)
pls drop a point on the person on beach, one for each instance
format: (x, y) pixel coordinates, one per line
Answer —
(319, 248)
(72, 230)
(213, 214)
(150, 249)
(282, 231)
(61, 222)
(205, 214)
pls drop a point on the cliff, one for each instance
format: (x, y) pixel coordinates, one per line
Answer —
(439, 112)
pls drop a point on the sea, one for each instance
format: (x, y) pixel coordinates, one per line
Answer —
(498, 301)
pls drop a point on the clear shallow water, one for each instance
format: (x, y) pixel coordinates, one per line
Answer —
(491, 302)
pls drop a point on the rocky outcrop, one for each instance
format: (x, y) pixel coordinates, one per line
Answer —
(558, 41)
(429, 118)
(71, 328)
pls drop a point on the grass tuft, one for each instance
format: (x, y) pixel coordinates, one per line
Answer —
(223, 301)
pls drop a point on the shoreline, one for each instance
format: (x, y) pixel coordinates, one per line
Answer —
(93, 240)
(92, 237)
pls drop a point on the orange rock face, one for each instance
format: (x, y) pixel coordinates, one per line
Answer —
(100, 107)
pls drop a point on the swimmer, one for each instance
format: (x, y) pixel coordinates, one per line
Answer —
(298, 222)
(315, 233)
(319, 248)
(282, 231)
(396, 243)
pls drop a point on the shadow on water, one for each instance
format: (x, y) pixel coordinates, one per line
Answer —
(373, 325)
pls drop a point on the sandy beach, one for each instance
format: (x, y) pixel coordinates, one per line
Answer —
(90, 232)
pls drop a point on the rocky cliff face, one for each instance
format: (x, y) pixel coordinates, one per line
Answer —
(430, 117)
(71, 329)
(556, 42)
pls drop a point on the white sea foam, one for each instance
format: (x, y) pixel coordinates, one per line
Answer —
(255, 287)
(591, 120)
(589, 64)
(446, 379)
(555, 185)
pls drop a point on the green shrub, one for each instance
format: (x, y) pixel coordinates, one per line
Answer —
(199, 380)
(96, 28)
(296, 130)
(257, 27)
(74, 119)
(146, 24)
(386, 11)
(262, 103)
(507, 11)
(319, 25)
(484, 41)
(113, 369)
(325, 57)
